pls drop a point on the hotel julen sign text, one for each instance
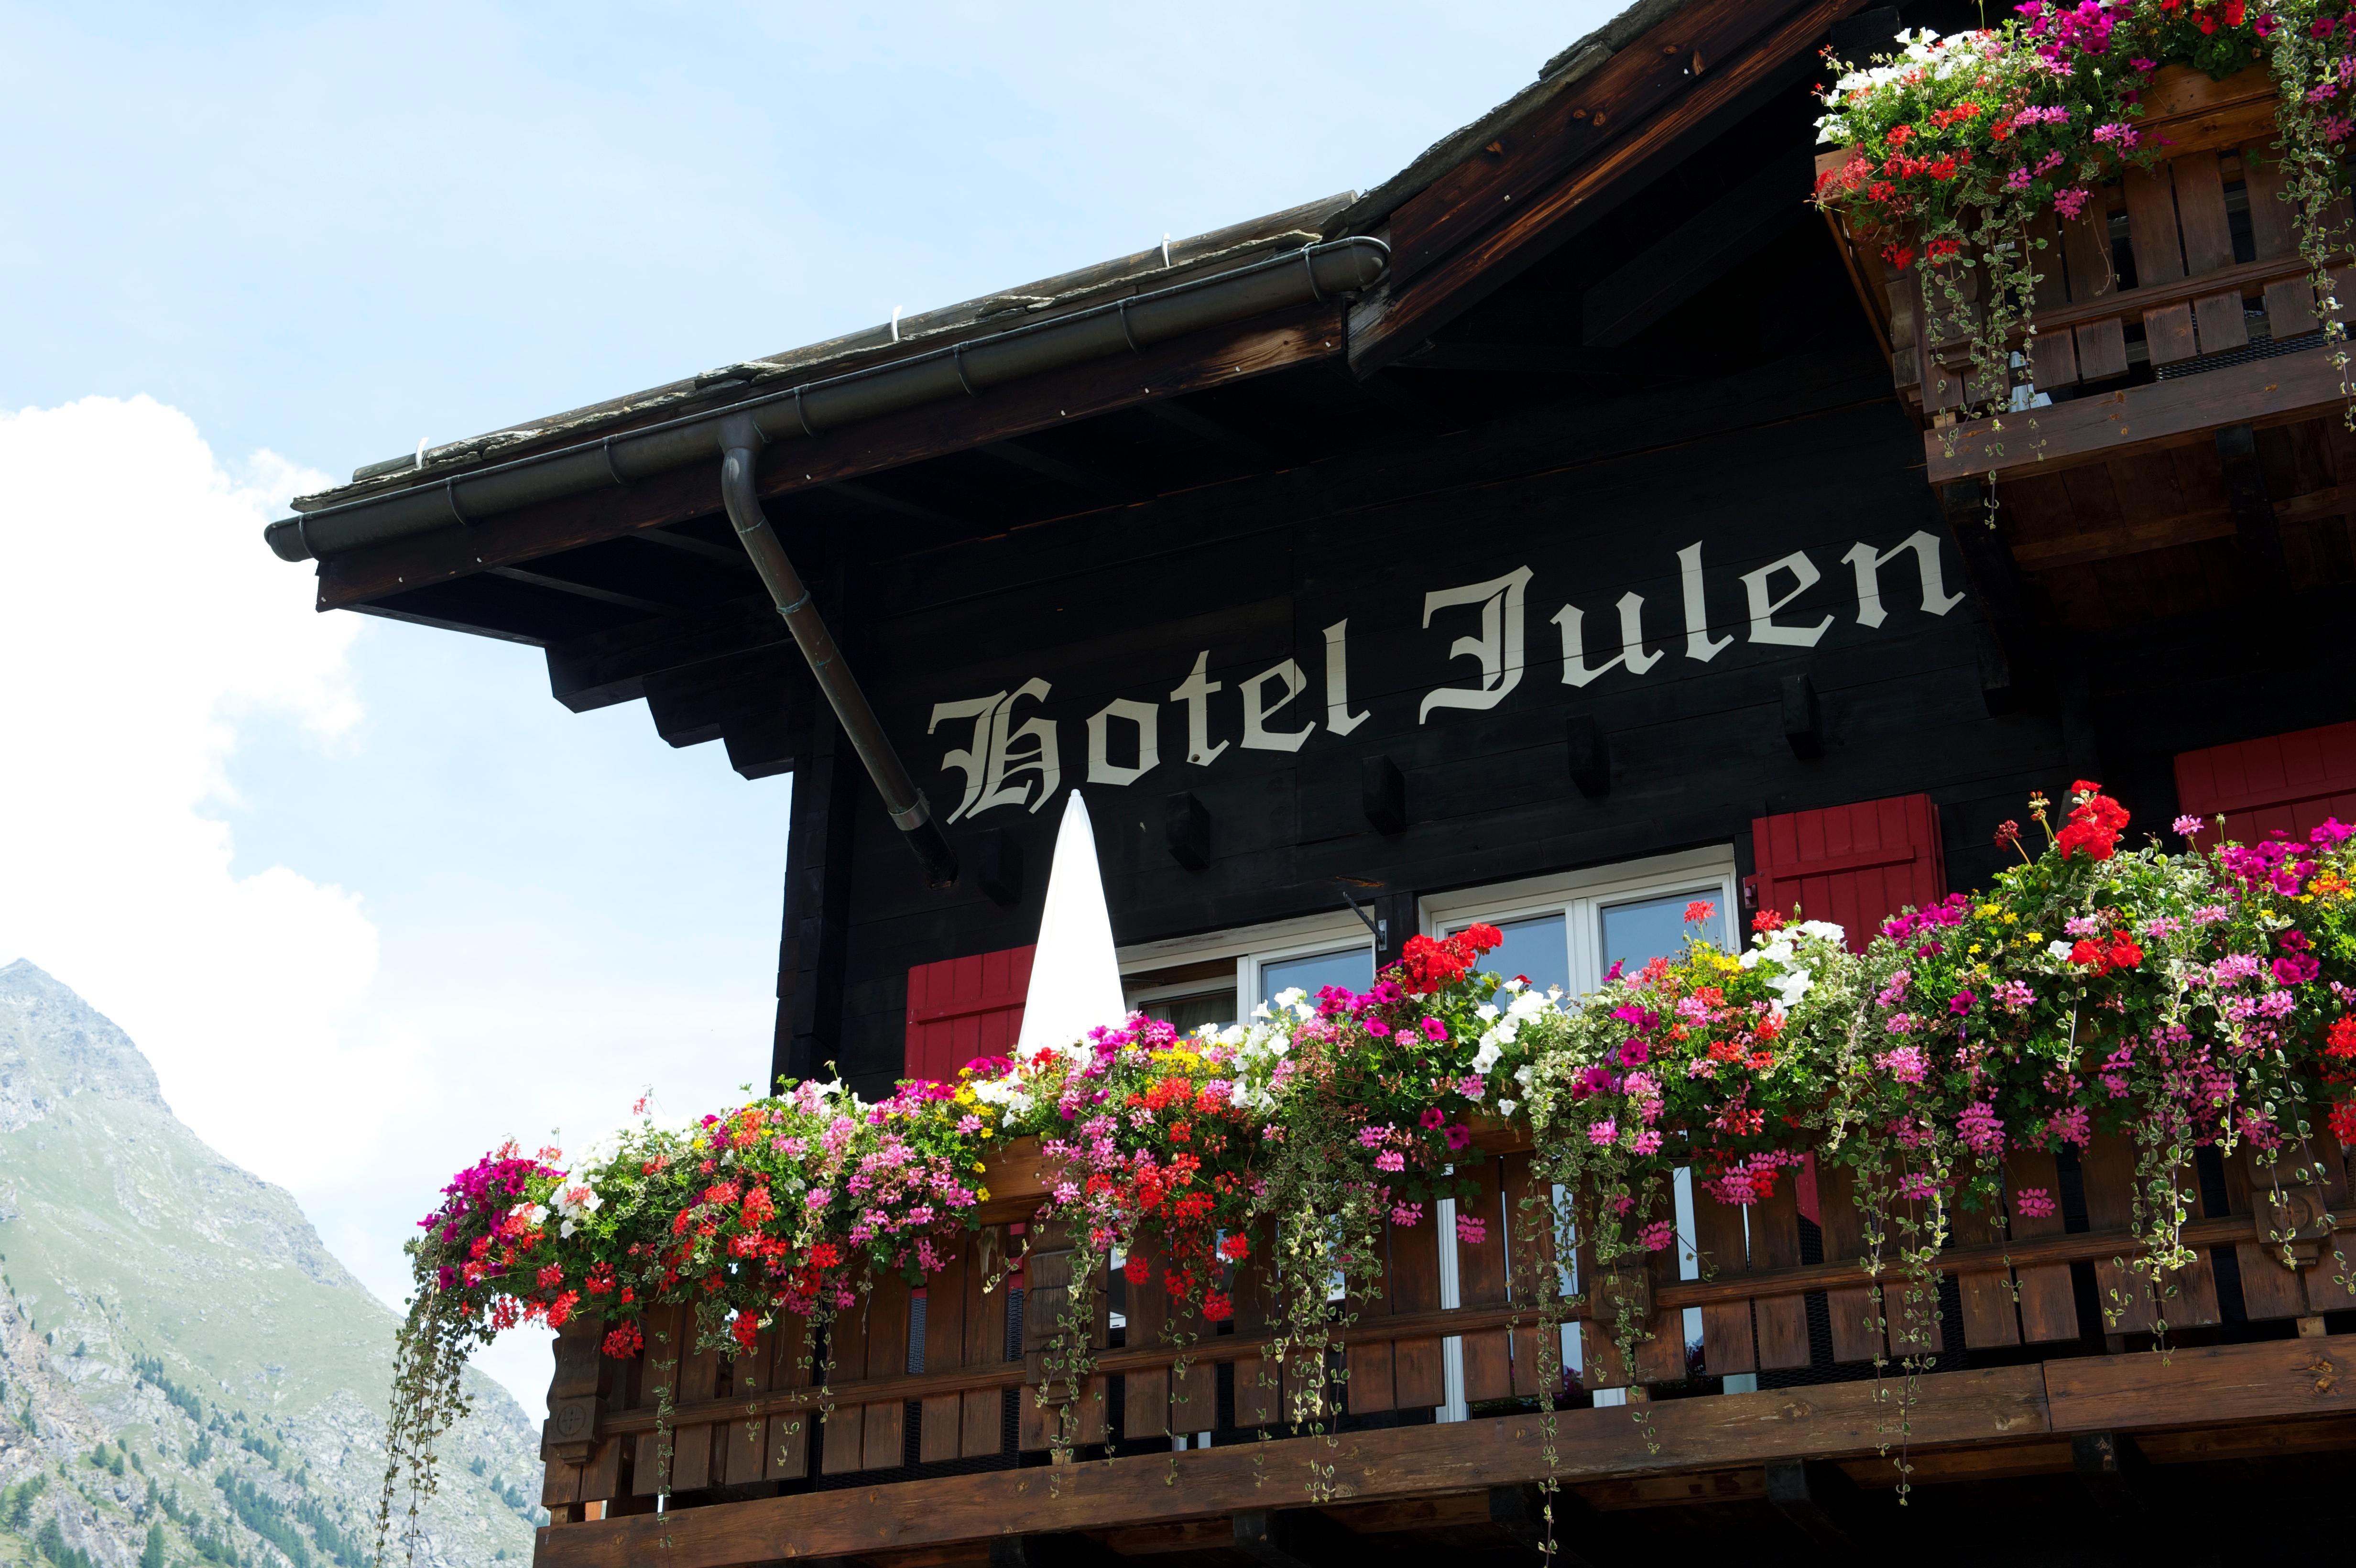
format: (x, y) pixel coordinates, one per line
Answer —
(1007, 756)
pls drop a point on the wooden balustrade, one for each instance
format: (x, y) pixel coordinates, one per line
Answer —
(948, 1377)
(2170, 267)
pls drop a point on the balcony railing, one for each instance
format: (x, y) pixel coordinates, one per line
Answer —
(2189, 269)
(927, 1385)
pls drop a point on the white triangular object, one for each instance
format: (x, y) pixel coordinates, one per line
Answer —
(1075, 978)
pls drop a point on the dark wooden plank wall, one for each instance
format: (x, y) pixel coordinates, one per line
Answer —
(1812, 456)
(1808, 453)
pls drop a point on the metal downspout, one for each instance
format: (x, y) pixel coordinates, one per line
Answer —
(911, 813)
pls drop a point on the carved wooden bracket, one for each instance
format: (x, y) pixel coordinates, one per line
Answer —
(581, 1383)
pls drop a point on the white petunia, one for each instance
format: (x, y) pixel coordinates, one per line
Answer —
(2060, 949)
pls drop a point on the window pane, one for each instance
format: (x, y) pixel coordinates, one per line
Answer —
(1538, 948)
(1188, 1013)
(1353, 966)
(1636, 933)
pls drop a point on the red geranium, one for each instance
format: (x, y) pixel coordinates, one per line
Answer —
(2095, 824)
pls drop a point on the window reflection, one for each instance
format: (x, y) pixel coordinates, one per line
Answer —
(1353, 966)
(1636, 933)
(1538, 949)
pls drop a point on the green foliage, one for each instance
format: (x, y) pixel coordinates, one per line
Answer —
(51, 1542)
(152, 1554)
(17, 1502)
(151, 1372)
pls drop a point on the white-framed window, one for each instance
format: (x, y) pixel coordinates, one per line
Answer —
(1569, 929)
(1218, 979)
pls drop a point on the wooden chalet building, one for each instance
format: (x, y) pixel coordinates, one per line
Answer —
(1543, 537)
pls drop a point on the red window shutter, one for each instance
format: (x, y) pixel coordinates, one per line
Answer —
(2278, 782)
(1854, 865)
(960, 1009)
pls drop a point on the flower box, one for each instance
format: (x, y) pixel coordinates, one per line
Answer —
(2146, 274)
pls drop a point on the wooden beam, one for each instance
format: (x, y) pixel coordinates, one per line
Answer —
(727, 555)
(1077, 476)
(1979, 1407)
(2254, 524)
(1209, 359)
(1476, 228)
(877, 500)
(1696, 253)
(1218, 433)
(2009, 638)
(1518, 359)
(587, 590)
(2138, 419)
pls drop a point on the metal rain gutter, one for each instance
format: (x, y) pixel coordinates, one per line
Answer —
(741, 443)
(1315, 273)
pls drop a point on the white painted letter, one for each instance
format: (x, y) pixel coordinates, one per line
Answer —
(1006, 761)
(1498, 647)
(1699, 643)
(1258, 710)
(1195, 691)
(1763, 628)
(972, 761)
(1338, 717)
(1632, 652)
(1102, 769)
(1867, 566)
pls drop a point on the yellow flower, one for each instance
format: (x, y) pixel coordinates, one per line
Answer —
(981, 1194)
(1987, 910)
(2010, 918)
(978, 1165)
(2034, 937)
(1974, 947)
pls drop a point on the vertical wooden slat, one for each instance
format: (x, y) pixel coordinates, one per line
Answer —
(1194, 1389)
(2167, 334)
(699, 1380)
(1661, 1358)
(2049, 1304)
(1855, 1338)
(2331, 1283)
(2045, 259)
(666, 1330)
(2272, 230)
(1782, 1321)
(1990, 1317)
(1530, 1245)
(2086, 256)
(1095, 1407)
(2221, 322)
(2108, 1164)
(845, 1424)
(1481, 1282)
(2101, 349)
(2269, 1291)
(940, 1427)
(1419, 1374)
(883, 1427)
(2151, 226)
(2053, 359)
(1145, 1393)
(785, 1453)
(738, 1453)
(2201, 213)
(1371, 1389)
(1726, 1343)
(983, 1411)
(1259, 1399)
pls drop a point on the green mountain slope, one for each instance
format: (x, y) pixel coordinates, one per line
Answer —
(186, 1375)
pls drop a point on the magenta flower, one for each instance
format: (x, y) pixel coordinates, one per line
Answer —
(1378, 1028)
(2034, 1203)
(1434, 1030)
(1433, 1116)
(1458, 1135)
(1471, 1229)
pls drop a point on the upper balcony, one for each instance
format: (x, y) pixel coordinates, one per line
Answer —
(1753, 1411)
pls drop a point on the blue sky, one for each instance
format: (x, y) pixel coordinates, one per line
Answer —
(367, 896)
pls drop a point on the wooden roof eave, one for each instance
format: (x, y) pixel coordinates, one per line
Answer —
(1567, 162)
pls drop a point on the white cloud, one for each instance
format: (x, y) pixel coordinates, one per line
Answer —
(142, 626)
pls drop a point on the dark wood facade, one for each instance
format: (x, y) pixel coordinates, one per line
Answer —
(1596, 532)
